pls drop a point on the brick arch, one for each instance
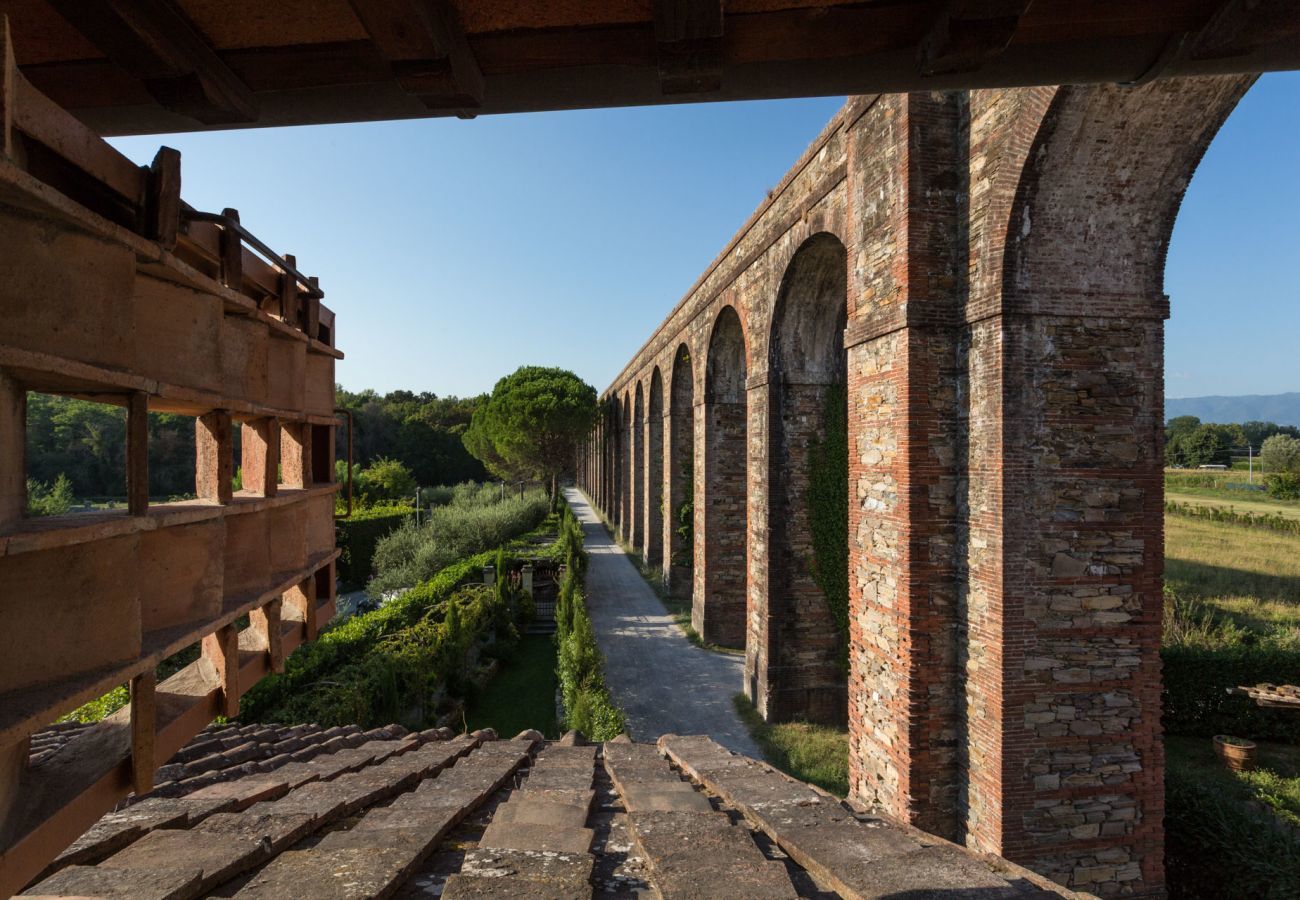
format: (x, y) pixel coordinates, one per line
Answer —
(794, 646)
(1065, 344)
(679, 463)
(718, 609)
(653, 548)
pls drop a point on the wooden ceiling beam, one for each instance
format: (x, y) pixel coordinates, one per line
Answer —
(1243, 26)
(425, 44)
(969, 33)
(688, 39)
(153, 41)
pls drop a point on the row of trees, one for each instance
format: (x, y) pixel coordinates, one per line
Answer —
(424, 432)
(1189, 443)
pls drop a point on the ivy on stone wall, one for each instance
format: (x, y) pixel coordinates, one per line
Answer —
(828, 509)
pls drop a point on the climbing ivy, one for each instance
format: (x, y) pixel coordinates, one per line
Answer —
(828, 509)
(685, 517)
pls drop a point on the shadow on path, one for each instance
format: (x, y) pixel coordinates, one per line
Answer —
(665, 684)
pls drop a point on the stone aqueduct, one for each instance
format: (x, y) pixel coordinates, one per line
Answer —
(984, 271)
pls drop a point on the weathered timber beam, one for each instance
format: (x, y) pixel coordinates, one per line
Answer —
(1243, 26)
(969, 33)
(154, 42)
(425, 44)
(688, 44)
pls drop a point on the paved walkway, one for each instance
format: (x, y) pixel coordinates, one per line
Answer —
(664, 683)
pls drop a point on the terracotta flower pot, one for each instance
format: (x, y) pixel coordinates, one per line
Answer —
(1237, 753)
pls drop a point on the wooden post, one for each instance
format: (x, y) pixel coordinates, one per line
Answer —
(143, 727)
(13, 451)
(8, 91)
(289, 293)
(163, 198)
(214, 456)
(137, 453)
(260, 443)
(311, 313)
(221, 649)
(295, 454)
(232, 254)
(265, 621)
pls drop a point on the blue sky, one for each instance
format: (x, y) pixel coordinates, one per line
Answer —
(454, 251)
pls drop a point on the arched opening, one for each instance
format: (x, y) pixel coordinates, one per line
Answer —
(718, 610)
(807, 577)
(636, 521)
(654, 506)
(679, 515)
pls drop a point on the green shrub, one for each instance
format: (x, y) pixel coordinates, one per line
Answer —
(588, 708)
(1196, 684)
(1217, 846)
(1227, 515)
(49, 500)
(1283, 485)
(359, 535)
(413, 553)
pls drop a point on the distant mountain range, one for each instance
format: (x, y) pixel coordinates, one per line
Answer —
(1284, 409)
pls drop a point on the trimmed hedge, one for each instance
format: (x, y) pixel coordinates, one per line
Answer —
(588, 708)
(353, 639)
(358, 536)
(1196, 684)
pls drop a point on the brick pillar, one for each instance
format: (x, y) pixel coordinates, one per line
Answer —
(214, 456)
(904, 719)
(295, 454)
(260, 456)
(718, 610)
(653, 523)
(637, 468)
(13, 451)
(679, 469)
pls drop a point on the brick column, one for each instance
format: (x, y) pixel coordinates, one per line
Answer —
(718, 610)
(214, 456)
(295, 454)
(904, 722)
(653, 522)
(260, 456)
(637, 470)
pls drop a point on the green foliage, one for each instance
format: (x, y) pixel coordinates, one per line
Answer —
(1227, 515)
(1203, 445)
(522, 695)
(1218, 844)
(315, 669)
(1280, 453)
(588, 708)
(1204, 657)
(49, 500)
(100, 707)
(386, 479)
(828, 510)
(413, 553)
(359, 535)
(422, 431)
(1283, 485)
(684, 516)
(817, 754)
(531, 425)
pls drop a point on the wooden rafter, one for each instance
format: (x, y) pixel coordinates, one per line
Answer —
(424, 43)
(154, 42)
(688, 43)
(968, 34)
(1241, 26)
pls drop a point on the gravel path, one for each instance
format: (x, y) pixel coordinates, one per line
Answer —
(664, 683)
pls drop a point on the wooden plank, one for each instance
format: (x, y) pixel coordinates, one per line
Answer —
(137, 453)
(289, 293)
(688, 37)
(221, 650)
(969, 33)
(163, 198)
(425, 44)
(153, 41)
(143, 722)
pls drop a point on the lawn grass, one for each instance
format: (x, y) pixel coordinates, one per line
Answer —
(1229, 487)
(522, 695)
(1249, 576)
(1275, 782)
(818, 754)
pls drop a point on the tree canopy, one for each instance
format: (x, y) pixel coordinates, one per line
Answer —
(531, 425)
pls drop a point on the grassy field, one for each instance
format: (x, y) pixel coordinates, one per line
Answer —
(522, 695)
(817, 754)
(1249, 576)
(1230, 487)
(1242, 504)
